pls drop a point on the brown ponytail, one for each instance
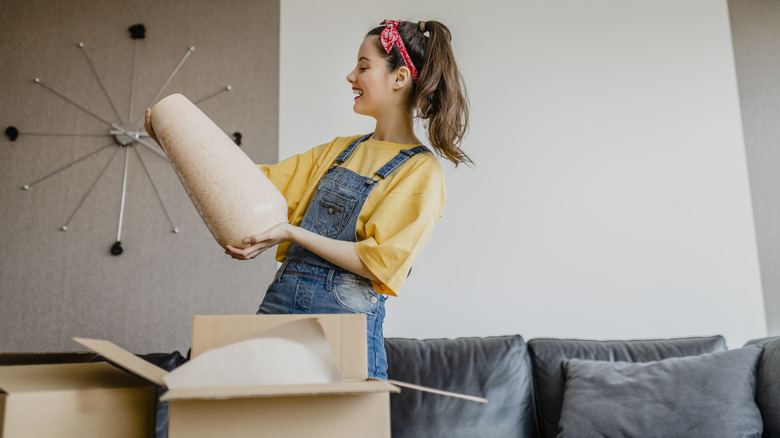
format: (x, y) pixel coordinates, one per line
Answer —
(439, 95)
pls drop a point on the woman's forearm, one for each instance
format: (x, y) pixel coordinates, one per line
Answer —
(339, 252)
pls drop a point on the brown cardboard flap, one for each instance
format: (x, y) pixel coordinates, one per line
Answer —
(45, 357)
(18, 379)
(230, 392)
(125, 359)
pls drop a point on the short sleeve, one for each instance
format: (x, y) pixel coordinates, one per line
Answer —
(402, 224)
(293, 175)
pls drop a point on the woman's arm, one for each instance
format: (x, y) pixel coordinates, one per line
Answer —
(340, 253)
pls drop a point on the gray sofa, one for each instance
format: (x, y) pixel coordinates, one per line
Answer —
(545, 388)
(687, 387)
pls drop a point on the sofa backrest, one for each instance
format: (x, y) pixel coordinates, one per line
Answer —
(548, 355)
(496, 368)
(768, 385)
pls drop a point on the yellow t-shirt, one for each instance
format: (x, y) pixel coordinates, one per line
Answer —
(398, 216)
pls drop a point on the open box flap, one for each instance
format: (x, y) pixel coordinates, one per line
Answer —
(45, 357)
(230, 392)
(55, 378)
(125, 359)
(438, 391)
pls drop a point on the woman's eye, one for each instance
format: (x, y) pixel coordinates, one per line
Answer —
(363, 68)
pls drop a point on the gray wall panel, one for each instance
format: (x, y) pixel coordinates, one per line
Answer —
(55, 285)
(755, 26)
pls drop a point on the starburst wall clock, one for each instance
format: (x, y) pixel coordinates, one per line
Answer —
(125, 134)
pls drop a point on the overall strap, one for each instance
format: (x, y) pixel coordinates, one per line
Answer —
(344, 155)
(403, 156)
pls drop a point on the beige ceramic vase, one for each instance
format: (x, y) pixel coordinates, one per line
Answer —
(233, 197)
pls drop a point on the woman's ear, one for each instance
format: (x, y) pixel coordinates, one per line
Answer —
(402, 77)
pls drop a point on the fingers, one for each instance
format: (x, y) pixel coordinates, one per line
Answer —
(247, 253)
(148, 124)
(255, 245)
(236, 253)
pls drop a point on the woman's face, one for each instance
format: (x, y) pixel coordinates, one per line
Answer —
(371, 83)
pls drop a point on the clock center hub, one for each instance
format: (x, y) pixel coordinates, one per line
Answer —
(127, 135)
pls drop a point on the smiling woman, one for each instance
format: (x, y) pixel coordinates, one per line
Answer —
(439, 94)
(361, 208)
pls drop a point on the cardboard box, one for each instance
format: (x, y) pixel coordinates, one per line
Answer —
(354, 407)
(74, 400)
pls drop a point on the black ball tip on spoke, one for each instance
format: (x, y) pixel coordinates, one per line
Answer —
(137, 31)
(116, 249)
(12, 133)
(237, 138)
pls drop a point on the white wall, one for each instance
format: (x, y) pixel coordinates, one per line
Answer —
(610, 197)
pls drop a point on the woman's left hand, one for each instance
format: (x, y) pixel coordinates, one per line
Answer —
(148, 125)
(281, 232)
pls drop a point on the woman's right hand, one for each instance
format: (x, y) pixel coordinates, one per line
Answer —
(257, 244)
(148, 125)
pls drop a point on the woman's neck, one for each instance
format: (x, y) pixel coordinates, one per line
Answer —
(396, 128)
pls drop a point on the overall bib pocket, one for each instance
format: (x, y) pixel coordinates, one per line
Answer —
(332, 213)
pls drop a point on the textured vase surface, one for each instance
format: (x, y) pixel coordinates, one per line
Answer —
(233, 197)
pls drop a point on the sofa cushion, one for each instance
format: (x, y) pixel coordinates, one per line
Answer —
(548, 356)
(768, 385)
(497, 368)
(708, 395)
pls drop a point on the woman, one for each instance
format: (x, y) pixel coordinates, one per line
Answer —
(361, 208)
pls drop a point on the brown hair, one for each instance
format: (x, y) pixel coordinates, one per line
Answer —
(438, 95)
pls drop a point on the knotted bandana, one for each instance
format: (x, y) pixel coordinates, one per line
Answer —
(390, 37)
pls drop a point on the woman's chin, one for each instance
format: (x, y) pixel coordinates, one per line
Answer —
(359, 110)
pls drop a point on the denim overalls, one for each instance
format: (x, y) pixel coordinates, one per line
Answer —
(307, 283)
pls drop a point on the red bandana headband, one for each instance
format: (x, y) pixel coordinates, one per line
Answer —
(389, 37)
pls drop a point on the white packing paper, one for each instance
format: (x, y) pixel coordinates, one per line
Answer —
(294, 353)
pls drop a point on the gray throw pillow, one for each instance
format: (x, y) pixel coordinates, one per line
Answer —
(710, 395)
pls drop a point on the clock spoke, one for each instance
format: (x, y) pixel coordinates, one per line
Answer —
(28, 186)
(170, 77)
(132, 81)
(64, 134)
(156, 192)
(39, 82)
(124, 195)
(65, 227)
(228, 88)
(102, 87)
